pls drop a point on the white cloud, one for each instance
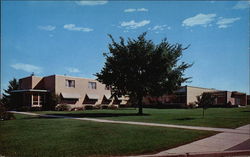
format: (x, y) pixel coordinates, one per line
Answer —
(225, 22)
(91, 3)
(72, 70)
(160, 28)
(199, 19)
(27, 67)
(133, 25)
(135, 10)
(242, 5)
(72, 27)
(142, 9)
(47, 28)
(129, 10)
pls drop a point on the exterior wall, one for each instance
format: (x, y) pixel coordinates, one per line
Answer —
(248, 99)
(31, 82)
(193, 92)
(49, 83)
(25, 83)
(36, 82)
(81, 87)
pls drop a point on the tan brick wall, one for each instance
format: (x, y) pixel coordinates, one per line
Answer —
(81, 87)
(193, 92)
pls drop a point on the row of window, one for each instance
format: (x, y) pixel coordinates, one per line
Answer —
(91, 85)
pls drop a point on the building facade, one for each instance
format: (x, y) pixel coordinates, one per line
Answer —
(79, 92)
(73, 91)
(187, 95)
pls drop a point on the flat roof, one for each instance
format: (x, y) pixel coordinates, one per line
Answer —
(29, 90)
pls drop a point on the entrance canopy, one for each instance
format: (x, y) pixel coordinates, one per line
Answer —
(70, 95)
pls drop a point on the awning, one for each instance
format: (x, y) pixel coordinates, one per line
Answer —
(92, 96)
(70, 95)
(107, 96)
(29, 90)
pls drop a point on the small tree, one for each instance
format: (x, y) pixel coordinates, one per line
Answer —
(8, 99)
(205, 100)
(140, 68)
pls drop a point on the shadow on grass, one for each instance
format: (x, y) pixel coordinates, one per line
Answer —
(96, 115)
(85, 115)
(184, 119)
(244, 111)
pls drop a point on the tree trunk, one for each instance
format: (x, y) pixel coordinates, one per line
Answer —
(140, 106)
(203, 113)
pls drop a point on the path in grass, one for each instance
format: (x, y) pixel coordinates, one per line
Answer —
(214, 117)
(34, 136)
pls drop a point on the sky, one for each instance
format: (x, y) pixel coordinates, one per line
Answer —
(70, 37)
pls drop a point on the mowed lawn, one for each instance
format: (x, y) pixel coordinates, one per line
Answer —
(214, 117)
(30, 136)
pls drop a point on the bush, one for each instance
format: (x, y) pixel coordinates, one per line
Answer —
(24, 108)
(62, 107)
(104, 106)
(113, 107)
(97, 106)
(192, 105)
(78, 108)
(4, 115)
(89, 107)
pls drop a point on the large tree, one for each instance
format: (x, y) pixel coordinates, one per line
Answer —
(8, 98)
(141, 68)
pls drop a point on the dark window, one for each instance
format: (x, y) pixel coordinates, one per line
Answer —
(70, 83)
(92, 85)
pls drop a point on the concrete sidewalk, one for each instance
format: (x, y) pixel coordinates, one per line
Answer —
(216, 143)
(227, 139)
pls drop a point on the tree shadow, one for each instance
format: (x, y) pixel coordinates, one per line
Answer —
(83, 115)
(244, 111)
(184, 119)
(96, 115)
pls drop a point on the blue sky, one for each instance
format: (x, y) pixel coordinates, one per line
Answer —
(69, 37)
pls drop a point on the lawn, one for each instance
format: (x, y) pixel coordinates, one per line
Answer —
(214, 117)
(55, 137)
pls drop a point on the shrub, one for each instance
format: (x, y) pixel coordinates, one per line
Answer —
(24, 108)
(89, 107)
(113, 107)
(62, 107)
(78, 108)
(192, 105)
(4, 115)
(98, 106)
(104, 106)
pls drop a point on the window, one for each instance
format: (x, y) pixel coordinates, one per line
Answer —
(70, 83)
(35, 99)
(92, 85)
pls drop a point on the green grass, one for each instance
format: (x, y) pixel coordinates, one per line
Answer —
(214, 117)
(30, 136)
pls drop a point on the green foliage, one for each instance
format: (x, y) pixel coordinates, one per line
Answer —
(62, 107)
(205, 100)
(139, 68)
(53, 100)
(9, 99)
(4, 115)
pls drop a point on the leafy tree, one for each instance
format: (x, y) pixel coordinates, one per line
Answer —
(139, 68)
(8, 98)
(205, 100)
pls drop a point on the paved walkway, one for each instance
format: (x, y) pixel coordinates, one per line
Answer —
(228, 139)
